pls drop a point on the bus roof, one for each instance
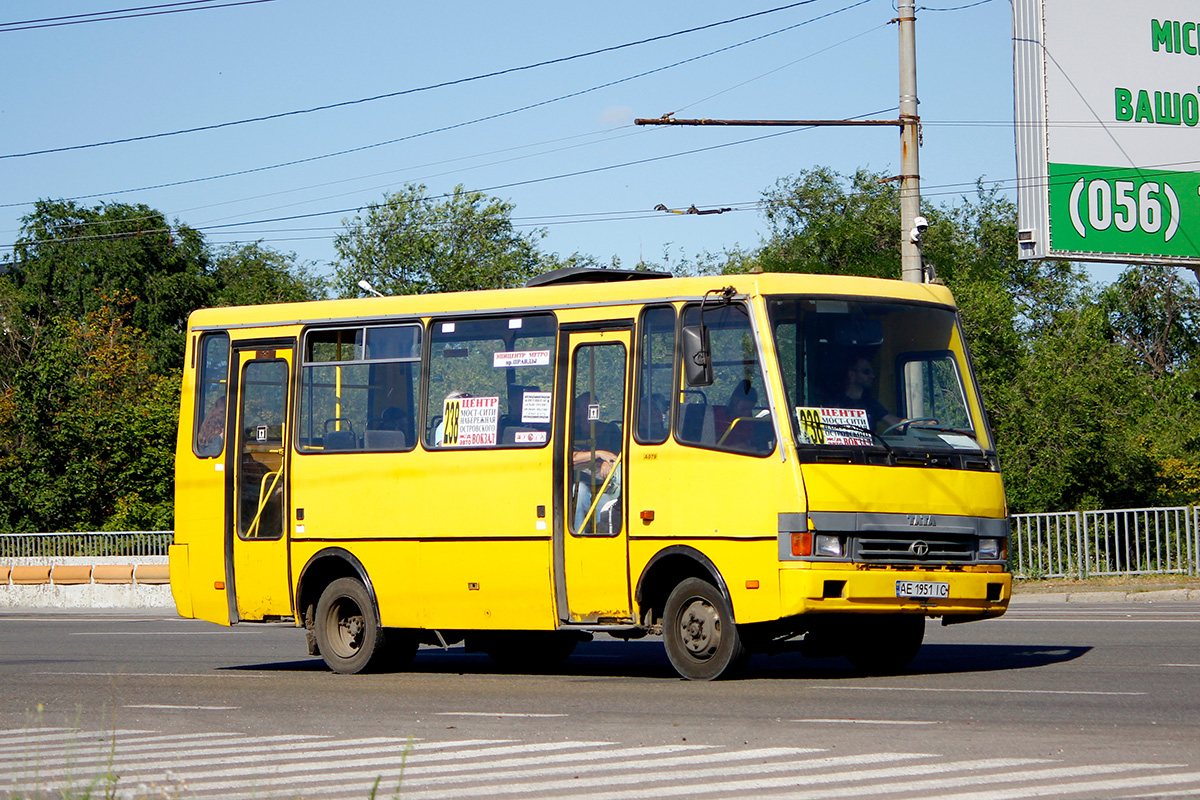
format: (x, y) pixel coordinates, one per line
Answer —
(572, 294)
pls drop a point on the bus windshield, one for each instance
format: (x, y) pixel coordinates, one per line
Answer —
(861, 372)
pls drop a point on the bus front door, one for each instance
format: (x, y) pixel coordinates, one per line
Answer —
(256, 528)
(590, 529)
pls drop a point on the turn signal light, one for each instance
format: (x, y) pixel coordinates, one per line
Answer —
(218, 584)
(802, 543)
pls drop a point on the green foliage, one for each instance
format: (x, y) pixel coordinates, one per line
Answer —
(412, 244)
(251, 274)
(68, 259)
(93, 308)
(87, 431)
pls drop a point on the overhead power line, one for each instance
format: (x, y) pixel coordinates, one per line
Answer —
(403, 92)
(122, 13)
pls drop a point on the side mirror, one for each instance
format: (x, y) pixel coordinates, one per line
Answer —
(697, 357)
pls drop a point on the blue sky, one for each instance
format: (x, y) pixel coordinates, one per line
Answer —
(572, 162)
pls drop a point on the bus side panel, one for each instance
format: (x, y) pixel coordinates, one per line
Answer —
(449, 539)
(488, 585)
(749, 569)
(725, 505)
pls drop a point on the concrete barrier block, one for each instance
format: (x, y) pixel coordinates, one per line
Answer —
(66, 574)
(4, 570)
(28, 575)
(152, 573)
(112, 573)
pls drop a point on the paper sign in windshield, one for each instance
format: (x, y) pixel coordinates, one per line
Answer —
(470, 421)
(521, 358)
(535, 407)
(837, 426)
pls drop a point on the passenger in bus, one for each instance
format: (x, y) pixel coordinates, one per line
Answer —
(210, 438)
(593, 457)
(730, 432)
(858, 379)
(655, 418)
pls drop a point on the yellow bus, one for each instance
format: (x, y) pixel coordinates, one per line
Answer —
(737, 464)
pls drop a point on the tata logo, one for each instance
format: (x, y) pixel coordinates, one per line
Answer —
(921, 520)
(919, 549)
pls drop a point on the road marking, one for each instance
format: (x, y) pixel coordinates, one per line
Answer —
(755, 786)
(233, 766)
(1179, 665)
(491, 714)
(148, 633)
(185, 708)
(867, 721)
(975, 691)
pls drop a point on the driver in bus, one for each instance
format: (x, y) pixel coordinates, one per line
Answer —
(858, 378)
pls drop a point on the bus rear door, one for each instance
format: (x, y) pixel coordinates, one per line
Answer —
(256, 528)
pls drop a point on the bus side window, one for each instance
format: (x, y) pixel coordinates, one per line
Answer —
(358, 389)
(489, 382)
(732, 414)
(655, 376)
(212, 378)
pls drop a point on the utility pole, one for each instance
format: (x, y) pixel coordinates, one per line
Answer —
(911, 268)
(912, 224)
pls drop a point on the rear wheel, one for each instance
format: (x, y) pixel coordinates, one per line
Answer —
(700, 636)
(347, 628)
(884, 644)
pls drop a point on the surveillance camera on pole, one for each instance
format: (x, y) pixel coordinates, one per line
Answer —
(919, 226)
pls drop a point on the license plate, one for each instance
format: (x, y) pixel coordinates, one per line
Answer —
(922, 589)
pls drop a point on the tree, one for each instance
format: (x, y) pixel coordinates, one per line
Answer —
(68, 258)
(252, 274)
(87, 431)
(412, 243)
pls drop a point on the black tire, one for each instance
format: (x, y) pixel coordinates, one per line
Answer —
(700, 636)
(884, 644)
(530, 651)
(347, 627)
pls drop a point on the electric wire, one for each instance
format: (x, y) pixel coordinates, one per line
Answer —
(487, 118)
(109, 16)
(404, 92)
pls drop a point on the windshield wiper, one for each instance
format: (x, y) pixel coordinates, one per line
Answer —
(855, 430)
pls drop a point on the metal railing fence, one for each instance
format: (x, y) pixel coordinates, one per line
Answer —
(1059, 544)
(1129, 541)
(86, 543)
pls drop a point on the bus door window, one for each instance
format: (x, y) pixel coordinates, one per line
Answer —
(261, 455)
(212, 381)
(732, 414)
(597, 437)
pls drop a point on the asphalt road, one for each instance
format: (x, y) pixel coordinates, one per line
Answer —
(1053, 700)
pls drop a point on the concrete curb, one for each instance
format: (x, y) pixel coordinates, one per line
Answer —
(111, 582)
(1151, 596)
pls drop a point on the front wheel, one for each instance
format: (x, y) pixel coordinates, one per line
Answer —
(347, 628)
(701, 638)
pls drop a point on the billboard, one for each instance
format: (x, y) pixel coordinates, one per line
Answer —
(1107, 106)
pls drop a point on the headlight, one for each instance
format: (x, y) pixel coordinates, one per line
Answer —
(989, 549)
(826, 545)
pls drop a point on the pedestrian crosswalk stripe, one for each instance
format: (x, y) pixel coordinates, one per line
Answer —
(233, 766)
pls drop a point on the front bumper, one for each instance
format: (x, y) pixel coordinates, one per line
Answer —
(973, 593)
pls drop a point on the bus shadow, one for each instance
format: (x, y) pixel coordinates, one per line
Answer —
(934, 659)
(602, 659)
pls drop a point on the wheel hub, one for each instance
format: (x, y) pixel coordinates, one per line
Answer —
(701, 628)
